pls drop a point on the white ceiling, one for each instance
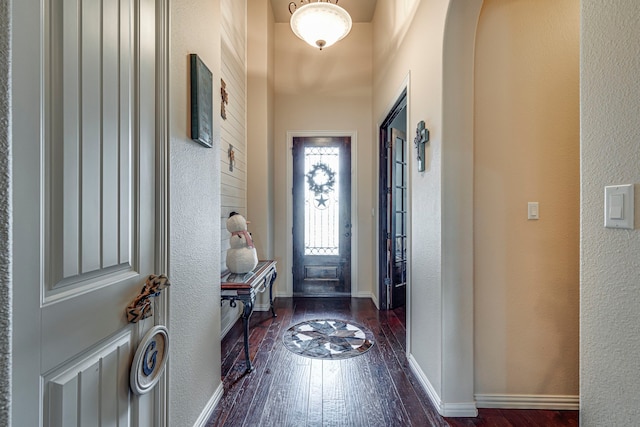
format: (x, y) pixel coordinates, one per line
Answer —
(360, 10)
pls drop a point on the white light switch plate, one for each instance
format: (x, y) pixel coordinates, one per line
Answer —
(533, 210)
(619, 206)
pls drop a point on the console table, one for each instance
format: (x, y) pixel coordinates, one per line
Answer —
(244, 287)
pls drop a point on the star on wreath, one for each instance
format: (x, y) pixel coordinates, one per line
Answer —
(321, 179)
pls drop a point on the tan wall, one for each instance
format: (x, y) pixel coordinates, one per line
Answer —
(328, 90)
(527, 150)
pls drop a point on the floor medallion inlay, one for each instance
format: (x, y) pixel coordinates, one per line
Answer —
(328, 339)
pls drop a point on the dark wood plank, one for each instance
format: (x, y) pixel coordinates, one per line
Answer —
(420, 411)
(396, 326)
(314, 414)
(240, 389)
(414, 390)
(361, 395)
(334, 413)
(517, 418)
(255, 392)
(376, 389)
(390, 402)
(412, 406)
(288, 400)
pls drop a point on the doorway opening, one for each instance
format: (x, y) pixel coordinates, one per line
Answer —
(393, 207)
(321, 216)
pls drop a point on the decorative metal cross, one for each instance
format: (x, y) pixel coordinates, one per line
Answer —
(224, 99)
(232, 157)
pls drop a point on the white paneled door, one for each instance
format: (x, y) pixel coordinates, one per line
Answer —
(85, 201)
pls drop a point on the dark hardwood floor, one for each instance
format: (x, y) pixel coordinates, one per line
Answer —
(374, 389)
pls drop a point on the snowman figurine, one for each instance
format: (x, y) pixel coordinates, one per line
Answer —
(242, 256)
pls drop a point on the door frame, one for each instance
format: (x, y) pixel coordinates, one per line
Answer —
(404, 87)
(163, 64)
(341, 261)
(385, 131)
(288, 264)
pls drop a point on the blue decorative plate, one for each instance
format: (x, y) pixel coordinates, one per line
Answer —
(150, 360)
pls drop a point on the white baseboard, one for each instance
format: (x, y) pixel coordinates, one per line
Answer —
(528, 401)
(226, 328)
(228, 322)
(209, 408)
(464, 409)
(374, 298)
(283, 294)
(262, 307)
(362, 294)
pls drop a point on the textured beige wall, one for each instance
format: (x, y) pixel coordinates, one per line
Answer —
(610, 265)
(409, 40)
(5, 217)
(194, 365)
(527, 149)
(328, 90)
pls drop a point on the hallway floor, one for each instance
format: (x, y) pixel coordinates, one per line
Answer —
(374, 389)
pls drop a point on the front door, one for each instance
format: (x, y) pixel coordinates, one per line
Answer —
(322, 216)
(84, 173)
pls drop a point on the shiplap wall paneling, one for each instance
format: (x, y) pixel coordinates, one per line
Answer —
(233, 192)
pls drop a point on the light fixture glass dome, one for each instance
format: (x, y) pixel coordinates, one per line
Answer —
(321, 24)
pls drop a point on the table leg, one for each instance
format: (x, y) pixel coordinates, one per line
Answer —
(246, 314)
(273, 279)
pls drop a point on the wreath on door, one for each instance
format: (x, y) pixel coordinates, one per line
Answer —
(321, 179)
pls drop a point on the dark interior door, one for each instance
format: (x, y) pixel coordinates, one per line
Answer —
(393, 207)
(322, 216)
(396, 259)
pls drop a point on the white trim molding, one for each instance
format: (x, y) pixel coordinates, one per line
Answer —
(261, 307)
(210, 407)
(363, 294)
(457, 409)
(528, 401)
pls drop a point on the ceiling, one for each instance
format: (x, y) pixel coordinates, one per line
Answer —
(360, 10)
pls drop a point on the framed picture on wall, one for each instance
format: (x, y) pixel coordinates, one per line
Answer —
(201, 102)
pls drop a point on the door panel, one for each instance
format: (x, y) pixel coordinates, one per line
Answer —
(393, 217)
(397, 226)
(99, 379)
(322, 216)
(95, 185)
(90, 144)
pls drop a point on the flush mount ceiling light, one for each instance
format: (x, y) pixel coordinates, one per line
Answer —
(319, 23)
